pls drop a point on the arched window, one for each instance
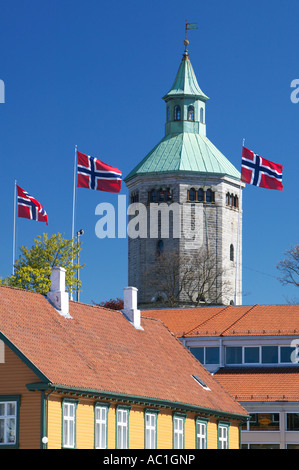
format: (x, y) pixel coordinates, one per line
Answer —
(231, 252)
(153, 195)
(227, 199)
(201, 195)
(177, 113)
(201, 115)
(168, 194)
(160, 247)
(192, 194)
(167, 114)
(236, 202)
(190, 113)
(209, 196)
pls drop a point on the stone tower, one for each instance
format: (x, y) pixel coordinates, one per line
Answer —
(187, 199)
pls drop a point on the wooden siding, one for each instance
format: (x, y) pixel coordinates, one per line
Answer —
(85, 427)
(14, 375)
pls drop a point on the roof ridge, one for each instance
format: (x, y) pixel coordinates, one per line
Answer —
(242, 316)
(205, 321)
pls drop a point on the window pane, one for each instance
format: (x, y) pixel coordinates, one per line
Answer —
(292, 421)
(1, 431)
(2, 409)
(11, 409)
(285, 354)
(11, 430)
(264, 422)
(234, 355)
(252, 355)
(198, 353)
(212, 355)
(269, 354)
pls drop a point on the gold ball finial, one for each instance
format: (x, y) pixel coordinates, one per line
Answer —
(186, 42)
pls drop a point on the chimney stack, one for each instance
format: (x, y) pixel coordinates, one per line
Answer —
(130, 306)
(58, 297)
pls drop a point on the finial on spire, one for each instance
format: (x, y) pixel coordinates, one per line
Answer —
(186, 42)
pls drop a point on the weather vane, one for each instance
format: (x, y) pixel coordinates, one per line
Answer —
(187, 27)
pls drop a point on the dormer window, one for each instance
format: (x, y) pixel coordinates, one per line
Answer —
(177, 113)
(190, 113)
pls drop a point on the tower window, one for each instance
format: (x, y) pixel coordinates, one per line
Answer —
(167, 114)
(161, 195)
(210, 196)
(153, 195)
(160, 247)
(190, 113)
(231, 252)
(177, 113)
(192, 194)
(134, 197)
(201, 115)
(201, 195)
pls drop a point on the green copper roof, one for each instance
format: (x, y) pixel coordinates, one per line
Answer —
(185, 152)
(185, 83)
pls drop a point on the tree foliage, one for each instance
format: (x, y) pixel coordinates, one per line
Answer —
(32, 269)
(113, 304)
(289, 267)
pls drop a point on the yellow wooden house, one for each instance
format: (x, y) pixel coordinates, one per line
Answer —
(78, 376)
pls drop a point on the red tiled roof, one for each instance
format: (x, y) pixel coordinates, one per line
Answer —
(230, 321)
(260, 384)
(98, 349)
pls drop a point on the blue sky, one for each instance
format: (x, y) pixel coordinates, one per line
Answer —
(93, 73)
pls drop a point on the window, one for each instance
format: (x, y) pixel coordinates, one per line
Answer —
(178, 431)
(192, 194)
(160, 247)
(153, 195)
(201, 115)
(134, 197)
(201, 195)
(251, 355)
(285, 354)
(190, 113)
(167, 114)
(206, 355)
(269, 354)
(161, 195)
(101, 426)
(223, 435)
(201, 433)
(210, 196)
(231, 253)
(177, 113)
(233, 355)
(122, 427)
(151, 429)
(263, 422)
(292, 422)
(201, 382)
(9, 416)
(69, 424)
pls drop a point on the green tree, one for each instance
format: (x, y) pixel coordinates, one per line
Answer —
(32, 269)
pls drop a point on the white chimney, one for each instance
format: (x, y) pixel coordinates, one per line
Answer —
(130, 306)
(58, 297)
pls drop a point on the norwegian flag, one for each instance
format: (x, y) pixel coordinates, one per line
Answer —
(260, 172)
(94, 174)
(29, 207)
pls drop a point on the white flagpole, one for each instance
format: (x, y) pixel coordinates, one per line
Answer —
(74, 203)
(14, 231)
(238, 235)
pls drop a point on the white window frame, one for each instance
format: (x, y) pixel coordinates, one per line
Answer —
(201, 434)
(223, 430)
(101, 425)
(122, 427)
(150, 429)
(179, 431)
(6, 418)
(69, 424)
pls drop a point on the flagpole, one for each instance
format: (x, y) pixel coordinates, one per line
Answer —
(238, 235)
(14, 231)
(74, 203)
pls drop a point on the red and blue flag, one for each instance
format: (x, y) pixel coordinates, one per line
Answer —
(29, 207)
(260, 172)
(94, 174)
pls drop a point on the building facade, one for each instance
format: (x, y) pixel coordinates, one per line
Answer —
(197, 193)
(253, 352)
(78, 376)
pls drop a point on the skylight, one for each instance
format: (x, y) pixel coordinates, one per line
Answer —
(201, 382)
